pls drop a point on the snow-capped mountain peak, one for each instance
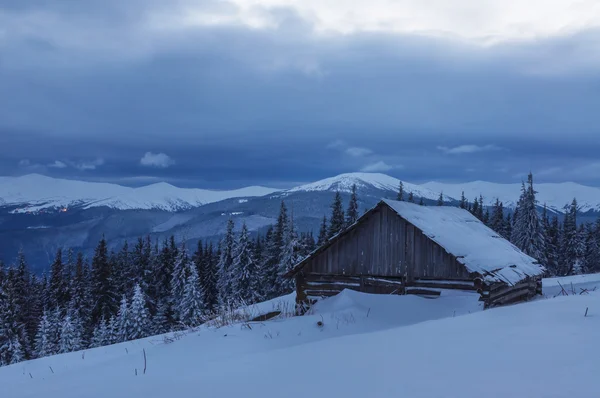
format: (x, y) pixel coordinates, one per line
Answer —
(344, 183)
(35, 192)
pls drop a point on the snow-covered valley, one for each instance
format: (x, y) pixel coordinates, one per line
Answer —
(367, 346)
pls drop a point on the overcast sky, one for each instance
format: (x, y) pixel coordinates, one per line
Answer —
(276, 92)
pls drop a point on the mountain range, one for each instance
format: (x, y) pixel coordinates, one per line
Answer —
(40, 214)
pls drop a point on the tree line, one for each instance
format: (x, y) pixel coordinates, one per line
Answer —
(148, 289)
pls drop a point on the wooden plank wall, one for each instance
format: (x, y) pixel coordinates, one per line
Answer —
(384, 244)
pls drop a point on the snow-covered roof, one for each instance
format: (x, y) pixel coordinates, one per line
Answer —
(476, 246)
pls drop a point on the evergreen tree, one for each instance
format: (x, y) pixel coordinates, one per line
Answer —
(180, 273)
(336, 222)
(552, 233)
(323, 232)
(102, 293)
(497, 219)
(192, 308)
(70, 337)
(440, 201)
(591, 255)
(43, 346)
(58, 284)
(289, 258)
(400, 196)
(570, 242)
(208, 279)
(463, 201)
(138, 313)
(102, 335)
(243, 272)
(411, 197)
(224, 282)
(528, 232)
(352, 212)
(475, 208)
(160, 321)
(421, 201)
(12, 331)
(508, 223)
(122, 326)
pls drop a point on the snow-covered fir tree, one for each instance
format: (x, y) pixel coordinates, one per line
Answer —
(290, 256)
(322, 232)
(191, 309)
(411, 197)
(336, 221)
(440, 201)
(528, 231)
(122, 325)
(224, 282)
(138, 313)
(570, 244)
(180, 273)
(352, 212)
(497, 219)
(400, 196)
(243, 274)
(70, 336)
(43, 344)
(463, 201)
(102, 335)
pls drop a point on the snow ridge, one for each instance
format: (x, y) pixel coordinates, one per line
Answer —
(34, 192)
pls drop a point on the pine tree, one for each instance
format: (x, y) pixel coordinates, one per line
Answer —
(591, 255)
(12, 332)
(138, 313)
(421, 201)
(475, 208)
(180, 273)
(225, 286)
(440, 201)
(192, 308)
(122, 326)
(570, 242)
(400, 196)
(552, 232)
(70, 337)
(58, 283)
(528, 231)
(508, 224)
(289, 258)
(209, 279)
(497, 219)
(463, 201)
(102, 335)
(411, 197)
(243, 271)
(352, 212)
(323, 232)
(160, 321)
(43, 345)
(336, 222)
(103, 295)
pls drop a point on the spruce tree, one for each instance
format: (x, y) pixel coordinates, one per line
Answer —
(243, 272)
(225, 286)
(209, 279)
(58, 283)
(43, 345)
(528, 231)
(102, 294)
(400, 196)
(138, 313)
(322, 232)
(421, 201)
(180, 273)
(497, 219)
(570, 242)
(122, 325)
(463, 201)
(411, 197)
(70, 337)
(336, 222)
(101, 335)
(552, 232)
(289, 258)
(192, 307)
(352, 212)
(440, 201)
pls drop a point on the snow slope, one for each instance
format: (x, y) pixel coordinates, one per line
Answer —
(369, 346)
(557, 196)
(35, 192)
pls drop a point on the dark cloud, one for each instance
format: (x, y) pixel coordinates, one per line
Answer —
(242, 105)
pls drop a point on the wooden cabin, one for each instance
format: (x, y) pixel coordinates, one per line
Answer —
(403, 248)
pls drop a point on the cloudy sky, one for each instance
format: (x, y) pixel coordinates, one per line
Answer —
(236, 92)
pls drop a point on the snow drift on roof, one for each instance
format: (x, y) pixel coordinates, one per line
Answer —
(476, 246)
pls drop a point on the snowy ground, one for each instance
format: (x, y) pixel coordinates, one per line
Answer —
(369, 346)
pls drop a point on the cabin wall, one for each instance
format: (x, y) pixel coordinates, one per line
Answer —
(385, 245)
